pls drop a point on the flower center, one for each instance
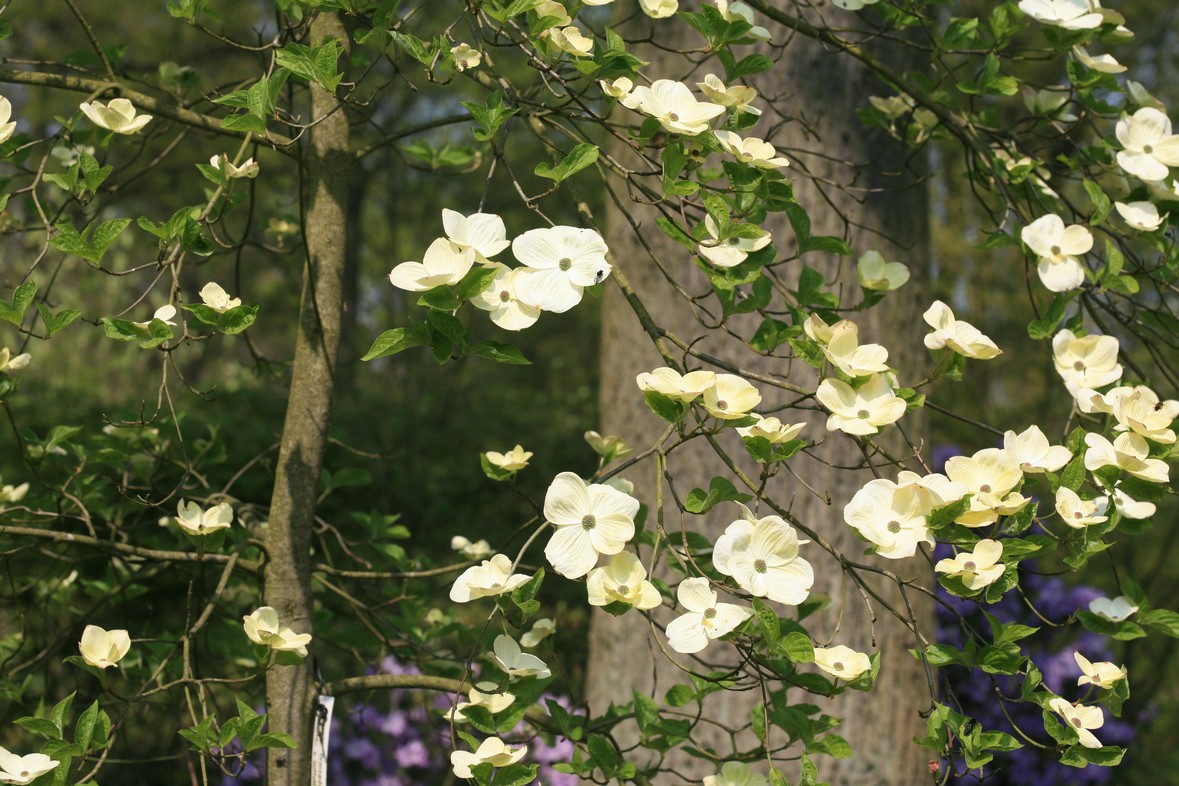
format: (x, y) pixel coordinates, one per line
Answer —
(759, 565)
(588, 521)
(894, 526)
(709, 613)
(722, 404)
(1075, 721)
(505, 296)
(565, 264)
(1078, 515)
(985, 488)
(969, 565)
(623, 589)
(1148, 149)
(837, 665)
(863, 414)
(674, 117)
(1079, 366)
(1055, 251)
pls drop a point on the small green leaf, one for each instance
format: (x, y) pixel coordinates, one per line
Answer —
(396, 340)
(580, 157)
(719, 490)
(499, 352)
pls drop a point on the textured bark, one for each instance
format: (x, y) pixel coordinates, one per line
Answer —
(326, 163)
(861, 186)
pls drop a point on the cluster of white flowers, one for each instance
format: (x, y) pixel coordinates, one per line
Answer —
(558, 263)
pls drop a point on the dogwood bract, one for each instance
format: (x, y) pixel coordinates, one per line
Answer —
(1069, 14)
(216, 298)
(1114, 610)
(842, 662)
(622, 580)
(477, 550)
(1129, 453)
(990, 476)
(659, 9)
(502, 299)
(514, 661)
(247, 169)
(483, 233)
(196, 520)
(860, 411)
(541, 630)
(483, 694)
(731, 251)
(704, 620)
(751, 150)
(1076, 512)
(103, 648)
(262, 626)
(733, 11)
(674, 106)
(1057, 248)
(730, 397)
(962, 337)
(771, 429)
(561, 261)
(514, 460)
(844, 350)
(24, 769)
(590, 519)
(1128, 507)
(874, 272)
(118, 116)
(465, 57)
(491, 578)
(763, 558)
(10, 363)
(1032, 451)
(681, 387)
(735, 96)
(1081, 719)
(491, 751)
(893, 515)
(444, 263)
(978, 568)
(7, 126)
(1143, 216)
(1103, 674)
(1087, 362)
(1149, 149)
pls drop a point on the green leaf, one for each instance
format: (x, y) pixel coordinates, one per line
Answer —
(767, 620)
(665, 407)
(244, 124)
(798, 647)
(55, 323)
(393, 341)
(22, 298)
(148, 336)
(84, 729)
(580, 157)
(603, 754)
(499, 352)
(490, 116)
(475, 282)
(1161, 620)
(719, 490)
(679, 695)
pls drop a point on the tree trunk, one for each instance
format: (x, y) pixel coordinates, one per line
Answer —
(860, 185)
(325, 166)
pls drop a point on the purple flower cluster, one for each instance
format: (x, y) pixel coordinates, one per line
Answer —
(403, 740)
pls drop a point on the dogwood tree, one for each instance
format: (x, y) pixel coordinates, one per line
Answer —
(793, 558)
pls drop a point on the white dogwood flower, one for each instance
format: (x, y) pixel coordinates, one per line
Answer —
(892, 516)
(491, 751)
(1143, 216)
(483, 233)
(622, 580)
(487, 580)
(659, 9)
(1149, 149)
(10, 363)
(24, 769)
(1056, 248)
(7, 126)
(561, 261)
(681, 387)
(704, 619)
(845, 352)
(164, 313)
(620, 88)
(990, 476)
(735, 96)
(118, 116)
(1087, 362)
(263, 627)
(1115, 610)
(570, 39)
(541, 630)
(962, 337)
(1104, 63)
(1129, 453)
(674, 106)
(1081, 719)
(771, 429)
(216, 298)
(863, 410)
(590, 519)
(735, 773)
(502, 300)
(1103, 674)
(842, 662)
(444, 263)
(730, 397)
(465, 56)
(751, 150)
(729, 252)
(978, 568)
(1069, 14)
(731, 12)
(1031, 450)
(514, 661)
(514, 460)
(477, 550)
(1129, 508)
(103, 648)
(874, 272)
(196, 520)
(248, 169)
(762, 556)
(483, 694)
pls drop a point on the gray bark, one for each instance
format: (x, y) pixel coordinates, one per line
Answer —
(861, 186)
(326, 163)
